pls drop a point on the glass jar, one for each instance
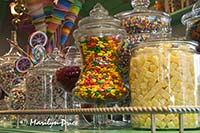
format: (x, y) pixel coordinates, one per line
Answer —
(192, 22)
(165, 73)
(9, 76)
(67, 77)
(99, 37)
(140, 23)
(42, 89)
(69, 74)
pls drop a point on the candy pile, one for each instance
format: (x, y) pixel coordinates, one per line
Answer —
(40, 97)
(164, 75)
(17, 98)
(43, 93)
(143, 24)
(100, 80)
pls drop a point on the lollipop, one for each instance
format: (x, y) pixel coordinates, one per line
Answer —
(23, 64)
(37, 54)
(38, 38)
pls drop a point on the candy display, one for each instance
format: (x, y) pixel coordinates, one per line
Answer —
(55, 18)
(100, 81)
(140, 24)
(192, 21)
(164, 73)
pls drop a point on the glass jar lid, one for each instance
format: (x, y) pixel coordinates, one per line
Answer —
(193, 15)
(140, 7)
(99, 21)
(143, 20)
(49, 65)
(99, 15)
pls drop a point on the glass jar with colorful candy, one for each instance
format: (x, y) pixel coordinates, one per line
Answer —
(99, 36)
(13, 67)
(140, 23)
(192, 22)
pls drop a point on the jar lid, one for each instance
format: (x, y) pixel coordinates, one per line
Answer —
(99, 21)
(49, 65)
(99, 15)
(193, 15)
(141, 19)
(140, 7)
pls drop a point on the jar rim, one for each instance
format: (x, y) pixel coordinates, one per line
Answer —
(176, 42)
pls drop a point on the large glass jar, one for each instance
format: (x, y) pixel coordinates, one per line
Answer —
(9, 76)
(42, 89)
(43, 92)
(165, 73)
(192, 22)
(140, 23)
(99, 37)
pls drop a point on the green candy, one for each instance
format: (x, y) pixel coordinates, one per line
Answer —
(100, 82)
(97, 93)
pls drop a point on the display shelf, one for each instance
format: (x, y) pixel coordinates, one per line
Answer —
(11, 130)
(153, 111)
